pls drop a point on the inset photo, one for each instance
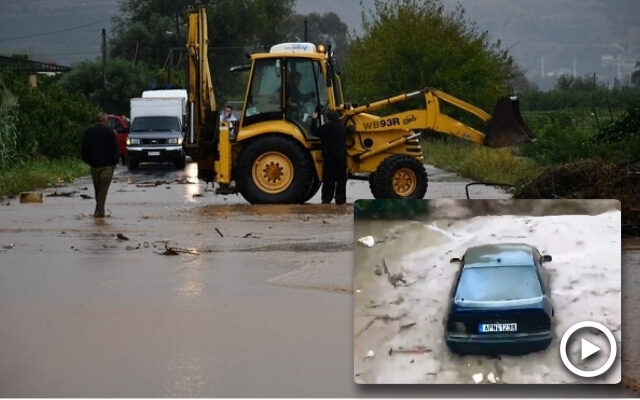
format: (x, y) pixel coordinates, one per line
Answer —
(487, 291)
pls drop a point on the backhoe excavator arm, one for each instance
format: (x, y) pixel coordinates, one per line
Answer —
(202, 101)
(504, 128)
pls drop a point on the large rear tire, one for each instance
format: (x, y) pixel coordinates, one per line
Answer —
(313, 188)
(399, 177)
(274, 169)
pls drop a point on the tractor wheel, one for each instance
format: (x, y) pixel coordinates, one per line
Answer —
(313, 188)
(274, 170)
(399, 177)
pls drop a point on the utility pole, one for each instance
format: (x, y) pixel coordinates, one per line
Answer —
(305, 29)
(104, 65)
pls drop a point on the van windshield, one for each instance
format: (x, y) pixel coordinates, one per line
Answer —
(155, 124)
(498, 283)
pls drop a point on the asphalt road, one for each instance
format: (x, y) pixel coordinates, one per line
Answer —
(257, 301)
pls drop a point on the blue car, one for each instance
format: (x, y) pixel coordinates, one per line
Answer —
(499, 302)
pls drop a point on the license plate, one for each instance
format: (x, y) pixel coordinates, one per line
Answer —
(154, 153)
(484, 328)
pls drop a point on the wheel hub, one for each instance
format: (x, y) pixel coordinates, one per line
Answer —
(404, 182)
(272, 172)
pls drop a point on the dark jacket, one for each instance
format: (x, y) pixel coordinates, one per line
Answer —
(333, 135)
(99, 146)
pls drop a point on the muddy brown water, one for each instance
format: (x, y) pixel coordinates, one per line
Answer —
(269, 314)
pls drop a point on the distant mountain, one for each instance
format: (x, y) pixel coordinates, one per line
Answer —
(546, 37)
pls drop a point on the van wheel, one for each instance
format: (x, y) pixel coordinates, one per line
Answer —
(399, 177)
(274, 169)
(131, 164)
(180, 163)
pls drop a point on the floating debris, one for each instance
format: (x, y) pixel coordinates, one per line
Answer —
(491, 377)
(367, 241)
(62, 194)
(406, 326)
(477, 378)
(86, 196)
(410, 350)
(31, 197)
(120, 236)
(8, 246)
(219, 233)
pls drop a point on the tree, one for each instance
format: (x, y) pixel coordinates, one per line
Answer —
(327, 29)
(124, 81)
(409, 44)
(147, 30)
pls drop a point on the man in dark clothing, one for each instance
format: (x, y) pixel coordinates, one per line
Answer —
(334, 153)
(100, 151)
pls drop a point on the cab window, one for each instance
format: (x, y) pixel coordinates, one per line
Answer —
(305, 90)
(264, 100)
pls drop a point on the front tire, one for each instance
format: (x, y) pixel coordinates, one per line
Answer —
(131, 164)
(274, 169)
(399, 177)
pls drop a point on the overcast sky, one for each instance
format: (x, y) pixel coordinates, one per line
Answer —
(546, 37)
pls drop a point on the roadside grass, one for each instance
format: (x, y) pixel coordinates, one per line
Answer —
(39, 173)
(498, 165)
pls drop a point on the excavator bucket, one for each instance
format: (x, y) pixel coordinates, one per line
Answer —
(506, 127)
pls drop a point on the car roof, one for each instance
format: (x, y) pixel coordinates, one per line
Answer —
(507, 254)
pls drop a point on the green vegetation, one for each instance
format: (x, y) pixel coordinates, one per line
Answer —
(411, 44)
(40, 172)
(502, 165)
(124, 81)
(40, 133)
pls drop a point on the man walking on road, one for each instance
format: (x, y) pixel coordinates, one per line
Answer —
(100, 151)
(334, 153)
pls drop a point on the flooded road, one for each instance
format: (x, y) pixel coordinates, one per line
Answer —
(257, 302)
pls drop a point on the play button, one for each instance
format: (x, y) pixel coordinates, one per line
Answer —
(588, 349)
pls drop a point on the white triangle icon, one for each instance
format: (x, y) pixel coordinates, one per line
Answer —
(588, 348)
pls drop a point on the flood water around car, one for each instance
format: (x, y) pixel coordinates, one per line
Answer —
(403, 282)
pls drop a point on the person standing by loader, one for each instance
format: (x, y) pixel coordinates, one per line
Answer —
(334, 154)
(100, 151)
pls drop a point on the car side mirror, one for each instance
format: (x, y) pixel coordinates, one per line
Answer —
(454, 260)
(545, 258)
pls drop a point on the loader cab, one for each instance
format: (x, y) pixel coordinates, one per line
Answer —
(288, 84)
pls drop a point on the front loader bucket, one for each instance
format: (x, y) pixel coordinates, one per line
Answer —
(506, 127)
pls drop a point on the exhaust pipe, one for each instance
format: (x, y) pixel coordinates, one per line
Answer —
(506, 127)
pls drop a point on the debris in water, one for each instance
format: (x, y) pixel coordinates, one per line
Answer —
(174, 251)
(130, 248)
(8, 246)
(219, 233)
(406, 326)
(31, 197)
(367, 241)
(120, 236)
(477, 378)
(250, 235)
(378, 271)
(491, 377)
(86, 196)
(411, 350)
(62, 194)
(370, 354)
(197, 195)
(145, 244)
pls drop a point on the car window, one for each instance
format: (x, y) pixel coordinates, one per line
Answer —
(498, 283)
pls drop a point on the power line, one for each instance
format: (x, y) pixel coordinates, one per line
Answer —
(55, 32)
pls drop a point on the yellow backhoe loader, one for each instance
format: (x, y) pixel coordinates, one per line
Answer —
(270, 156)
